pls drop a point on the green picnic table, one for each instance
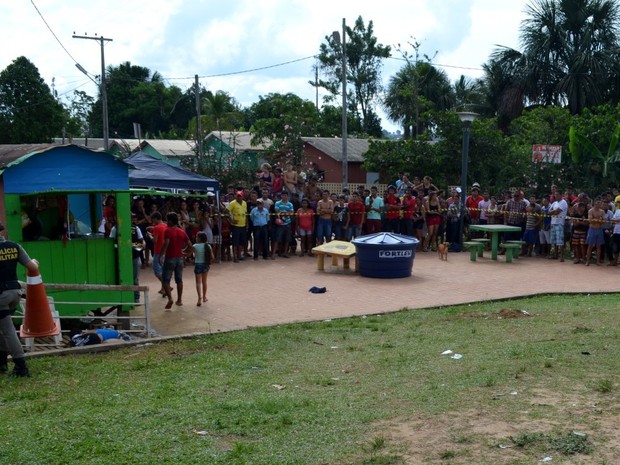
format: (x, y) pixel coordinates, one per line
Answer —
(494, 230)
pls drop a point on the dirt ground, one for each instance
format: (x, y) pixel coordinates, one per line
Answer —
(481, 437)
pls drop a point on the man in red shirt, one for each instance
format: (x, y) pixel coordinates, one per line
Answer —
(175, 240)
(409, 205)
(157, 233)
(357, 214)
(392, 207)
(471, 203)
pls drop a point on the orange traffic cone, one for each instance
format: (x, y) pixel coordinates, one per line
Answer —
(38, 319)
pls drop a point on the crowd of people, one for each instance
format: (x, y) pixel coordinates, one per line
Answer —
(285, 214)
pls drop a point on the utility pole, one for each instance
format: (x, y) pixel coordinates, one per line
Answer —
(104, 94)
(198, 122)
(345, 134)
(345, 161)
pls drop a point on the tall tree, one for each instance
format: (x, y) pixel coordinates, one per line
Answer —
(282, 120)
(222, 112)
(569, 53)
(504, 90)
(364, 61)
(79, 108)
(29, 113)
(414, 90)
(135, 95)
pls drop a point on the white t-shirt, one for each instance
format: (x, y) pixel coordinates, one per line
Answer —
(616, 225)
(560, 218)
(483, 205)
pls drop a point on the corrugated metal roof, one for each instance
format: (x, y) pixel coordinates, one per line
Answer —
(332, 147)
(238, 140)
(11, 152)
(171, 148)
(92, 143)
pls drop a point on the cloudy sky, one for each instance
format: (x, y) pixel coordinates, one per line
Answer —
(218, 40)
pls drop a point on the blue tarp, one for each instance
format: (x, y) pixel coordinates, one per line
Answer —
(147, 171)
(66, 168)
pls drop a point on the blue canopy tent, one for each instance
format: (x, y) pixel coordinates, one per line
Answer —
(149, 172)
(146, 171)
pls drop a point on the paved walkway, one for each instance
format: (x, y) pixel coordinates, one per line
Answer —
(271, 292)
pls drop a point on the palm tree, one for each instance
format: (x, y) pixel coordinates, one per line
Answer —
(569, 54)
(221, 109)
(416, 88)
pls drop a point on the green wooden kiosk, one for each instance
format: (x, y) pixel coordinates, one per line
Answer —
(52, 197)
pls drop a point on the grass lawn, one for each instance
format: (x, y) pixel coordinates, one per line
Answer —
(365, 390)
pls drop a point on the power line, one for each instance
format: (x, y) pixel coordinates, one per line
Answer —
(246, 70)
(50, 29)
(441, 65)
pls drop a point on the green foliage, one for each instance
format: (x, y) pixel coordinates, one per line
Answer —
(414, 90)
(222, 112)
(570, 54)
(225, 162)
(135, 95)
(605, 386)
(364, 61)
(542, 125)
(565, 443)
(29, 113)
(525, 440)
(389, 158)
(282, 120)
(79, 109)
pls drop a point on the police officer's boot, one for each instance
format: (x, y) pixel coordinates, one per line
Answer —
(4, 367)
(20, 370)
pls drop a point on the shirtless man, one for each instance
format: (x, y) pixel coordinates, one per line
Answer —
(290, 179)
(596, 234)
(325, 210)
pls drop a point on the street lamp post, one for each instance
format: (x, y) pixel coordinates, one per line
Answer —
(345, 161)
(102, 89)
(466, 118)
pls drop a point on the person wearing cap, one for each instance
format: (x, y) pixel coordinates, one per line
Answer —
(259, 216)
(11, 253)
(238, 210)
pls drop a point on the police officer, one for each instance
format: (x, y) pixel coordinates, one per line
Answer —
(11, 253)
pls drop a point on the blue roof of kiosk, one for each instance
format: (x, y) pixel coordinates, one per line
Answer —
(147, 171)
(33, 168)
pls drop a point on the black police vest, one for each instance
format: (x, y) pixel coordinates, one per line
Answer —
(9, 254)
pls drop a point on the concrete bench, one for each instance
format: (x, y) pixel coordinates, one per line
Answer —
(475, 249)
(521, 243)
(336, 249)
(483, 240)
(512, 250)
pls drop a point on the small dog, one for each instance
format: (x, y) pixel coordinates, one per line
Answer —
(442, 251)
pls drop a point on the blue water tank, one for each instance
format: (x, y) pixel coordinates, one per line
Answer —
(385, 255)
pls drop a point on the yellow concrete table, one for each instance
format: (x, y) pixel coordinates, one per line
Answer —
(337, 249)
